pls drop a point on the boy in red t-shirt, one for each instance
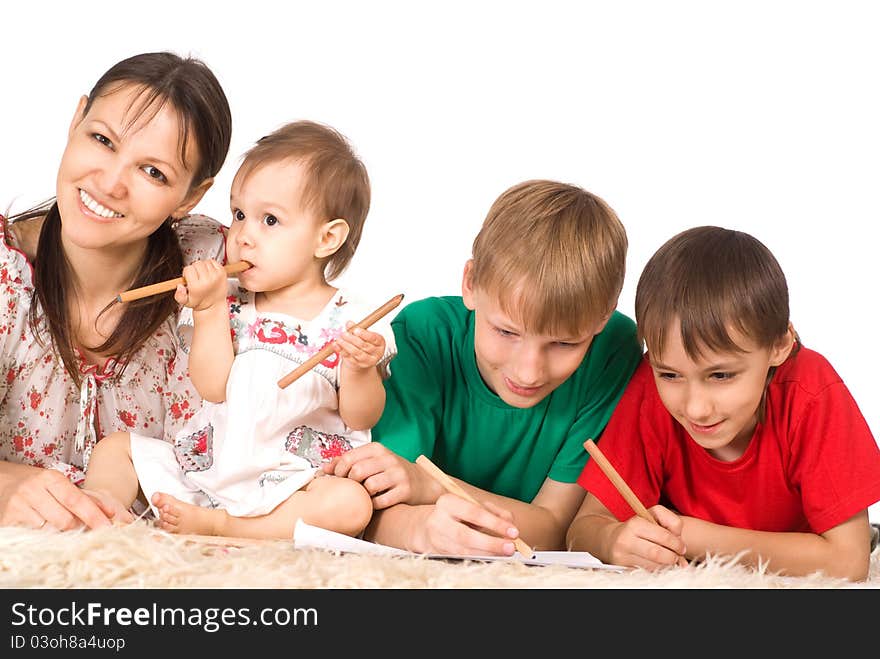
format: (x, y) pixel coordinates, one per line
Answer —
(739, 440)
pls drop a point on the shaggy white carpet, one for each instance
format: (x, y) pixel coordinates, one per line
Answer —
(139, 556)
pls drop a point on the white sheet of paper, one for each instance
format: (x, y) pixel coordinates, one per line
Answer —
(306, 536)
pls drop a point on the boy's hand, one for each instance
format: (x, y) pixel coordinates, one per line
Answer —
(639, 543)
(389, 478)
(205, 285)
(360, 349)
(456, 526)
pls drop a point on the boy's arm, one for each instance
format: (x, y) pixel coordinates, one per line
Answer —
(635, 543)
(843, 551)
(211, 355)
(451, 525)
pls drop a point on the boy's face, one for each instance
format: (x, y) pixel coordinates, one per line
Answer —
(271, 230)
(716, 397)
(520, 367)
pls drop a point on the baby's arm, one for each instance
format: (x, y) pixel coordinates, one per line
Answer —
(361, 394)
(843, 551)
(211, 355)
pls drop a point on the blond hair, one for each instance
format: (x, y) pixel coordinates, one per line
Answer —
(553, 254)
(336, 183)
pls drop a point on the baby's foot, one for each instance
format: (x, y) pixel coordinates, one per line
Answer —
(176, 516)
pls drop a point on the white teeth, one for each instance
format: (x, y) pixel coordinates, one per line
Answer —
(97, 208)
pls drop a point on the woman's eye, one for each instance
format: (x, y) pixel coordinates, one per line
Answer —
(102, 139)
(155, 174)
(237, 215)
(270, 220)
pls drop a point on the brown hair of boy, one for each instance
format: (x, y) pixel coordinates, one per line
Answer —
(553, 254)
(336, 185)
(712, 280)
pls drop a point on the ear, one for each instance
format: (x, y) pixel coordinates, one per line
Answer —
(782, 348)
(193, 197)
(78, 115)
(467, 285)
(333, 235)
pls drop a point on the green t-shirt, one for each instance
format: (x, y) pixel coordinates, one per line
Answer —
(438, 405)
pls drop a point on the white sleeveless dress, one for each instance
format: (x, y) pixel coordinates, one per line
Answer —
(251, 452)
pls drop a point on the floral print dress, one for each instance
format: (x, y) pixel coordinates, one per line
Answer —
(45, 419)
(251, 452)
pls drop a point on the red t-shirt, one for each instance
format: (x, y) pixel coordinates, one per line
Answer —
(811, 465)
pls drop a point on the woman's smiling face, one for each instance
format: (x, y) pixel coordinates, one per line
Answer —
(122, 174)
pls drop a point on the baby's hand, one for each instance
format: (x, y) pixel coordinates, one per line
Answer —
(205, 285)
(360, 349)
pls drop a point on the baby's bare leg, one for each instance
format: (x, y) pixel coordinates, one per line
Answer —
(111, 471)
(336, 504)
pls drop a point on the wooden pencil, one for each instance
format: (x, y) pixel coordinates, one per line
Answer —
(618, 482)
(171, 284)
(328, 349)
(451, 486)
(621, 486)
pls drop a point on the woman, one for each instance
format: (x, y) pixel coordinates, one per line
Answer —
(143, 148)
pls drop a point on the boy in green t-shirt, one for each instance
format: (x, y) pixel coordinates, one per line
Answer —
(501, 386)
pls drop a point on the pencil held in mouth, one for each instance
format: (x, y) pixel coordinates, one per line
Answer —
(451, 486)
(171, 284)
(328, 349)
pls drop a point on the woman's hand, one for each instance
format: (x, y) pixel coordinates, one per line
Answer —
(34, 497)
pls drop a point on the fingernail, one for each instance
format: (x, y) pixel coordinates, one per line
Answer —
(512, 532)
(508, 548)
(358, 331)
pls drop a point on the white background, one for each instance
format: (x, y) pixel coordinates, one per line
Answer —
(758, 116)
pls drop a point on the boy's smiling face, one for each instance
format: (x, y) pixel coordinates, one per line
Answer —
(716, 396)
(521, 367)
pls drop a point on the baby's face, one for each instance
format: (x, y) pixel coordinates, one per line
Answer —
(715, 397)
(271, 230)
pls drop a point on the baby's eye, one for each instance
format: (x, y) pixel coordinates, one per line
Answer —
(237, 214)
(270, 220)
(566, 344)
(504, 332)
(155, 173)
(665, 375)
(722, 375)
